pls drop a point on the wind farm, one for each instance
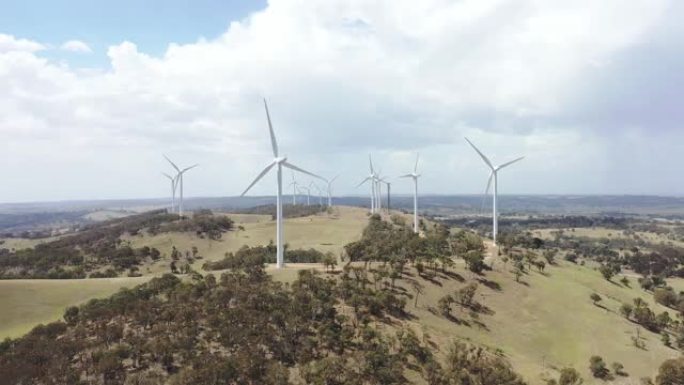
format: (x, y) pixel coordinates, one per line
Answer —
(339, 230)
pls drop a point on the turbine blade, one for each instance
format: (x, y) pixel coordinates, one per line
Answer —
(510, 163)
(189, 168)
(261, 175)
(406, 176)
(486, 193)
(333, 179)
(293, 167)
(415, 168)
(168, 176)
(481, 154)
(364, 181)
(370, 163)
(274, 144)
(172, 164)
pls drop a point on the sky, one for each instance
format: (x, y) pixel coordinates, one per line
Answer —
(92, 94)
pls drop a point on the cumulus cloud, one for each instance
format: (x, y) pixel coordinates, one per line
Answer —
(10, 43)
(76, 46)
(345, 78)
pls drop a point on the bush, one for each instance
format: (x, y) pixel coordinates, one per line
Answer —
(598, 367)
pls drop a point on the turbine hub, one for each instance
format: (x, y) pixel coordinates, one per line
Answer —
(281, 159)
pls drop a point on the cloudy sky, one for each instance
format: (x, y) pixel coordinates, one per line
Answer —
(92, 95)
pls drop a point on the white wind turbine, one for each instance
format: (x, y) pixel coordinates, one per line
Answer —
(279, 162)
(330, 182)
(389, 192)
(493, 174)
(414, 175)
(173, 191)
(294, 185)
(319, 191)
(179, 181)
(378, 193)
(371, 177)
(308, 194)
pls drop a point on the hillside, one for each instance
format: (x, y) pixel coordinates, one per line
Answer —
(541, 324)
(27, 302)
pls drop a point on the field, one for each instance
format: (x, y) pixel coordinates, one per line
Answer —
(26, 303)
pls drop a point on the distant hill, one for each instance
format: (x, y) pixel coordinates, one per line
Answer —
(431, 204)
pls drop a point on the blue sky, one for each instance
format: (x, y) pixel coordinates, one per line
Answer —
(93, 93)
(151, 24)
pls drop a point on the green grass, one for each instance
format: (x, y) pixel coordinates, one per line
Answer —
(27, 303)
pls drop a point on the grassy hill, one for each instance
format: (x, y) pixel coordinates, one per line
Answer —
(28, 302)
(541, 324)
(547, 321)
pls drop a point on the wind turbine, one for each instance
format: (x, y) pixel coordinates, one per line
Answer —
(320, 193)
(371, 177)
(493, 174)
(329, 182)
(294, 185)
(414, 175)
(173, 191)
(279, 162)
(308, 194)
(179, 180)
(389, 189)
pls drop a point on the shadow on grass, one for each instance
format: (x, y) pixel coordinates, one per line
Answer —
(489, 283)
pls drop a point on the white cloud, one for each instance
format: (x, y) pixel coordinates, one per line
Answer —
(10, 43)
(343, 78)
(76, 46)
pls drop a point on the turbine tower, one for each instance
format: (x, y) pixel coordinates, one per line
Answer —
(308, 194)
(179, 180)
(414, 175)
(371, 177)
(330, 182)
(294, 185)
(279, 162)
(173, 191)
(493, 174)
(389, 190)
(320, 193)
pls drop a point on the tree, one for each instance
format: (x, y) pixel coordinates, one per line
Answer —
(417, 289)
(671, 372)
(598, 367)
(595, 298)
(550, 256)
(475, 261)
(607, 271)
(519, 270)
(569, 376)
(329, 261)
(444, 305)
(626, 310)
(618, 369)
(665, 337)
(466, 294)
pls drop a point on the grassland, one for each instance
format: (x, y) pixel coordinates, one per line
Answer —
(547, 321)
(325, 232)
(26, 303)
(544, 323)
